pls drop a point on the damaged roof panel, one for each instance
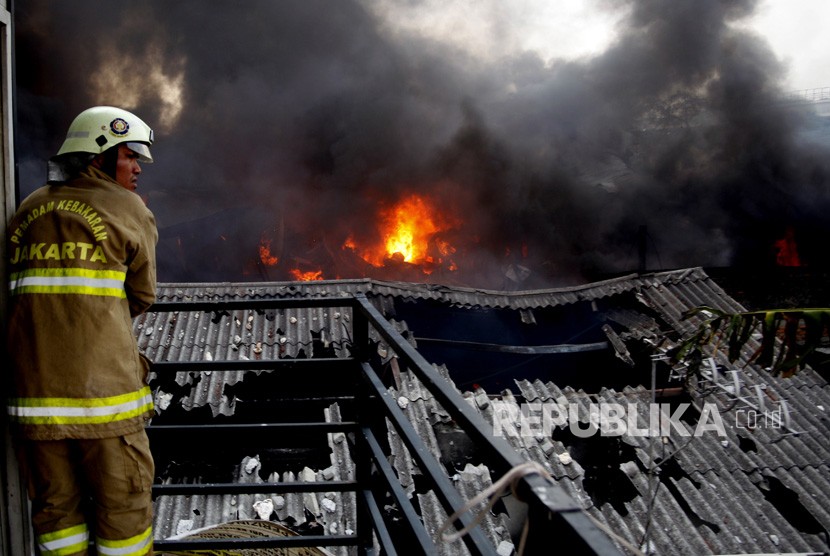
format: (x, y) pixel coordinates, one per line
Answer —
(758, 489)
(245, 335)
(738, 499)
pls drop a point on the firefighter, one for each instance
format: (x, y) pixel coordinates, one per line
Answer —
(82, 263)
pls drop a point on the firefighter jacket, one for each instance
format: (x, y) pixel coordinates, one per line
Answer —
(82, 264)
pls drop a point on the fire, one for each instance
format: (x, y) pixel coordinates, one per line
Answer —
(265, 253)
(412, 237)
(409, 227)
(787, 250)
(447, 250)
(410, 232)
(306, 276)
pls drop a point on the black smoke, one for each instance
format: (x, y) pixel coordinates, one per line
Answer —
(301, 118)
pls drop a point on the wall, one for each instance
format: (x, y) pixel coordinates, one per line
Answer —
(14, 514)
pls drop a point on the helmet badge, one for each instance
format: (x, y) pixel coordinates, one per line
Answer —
(119, 127)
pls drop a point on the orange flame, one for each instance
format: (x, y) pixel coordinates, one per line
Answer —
(409, 227)
(306, 276)
(409, 231)
(265, 253)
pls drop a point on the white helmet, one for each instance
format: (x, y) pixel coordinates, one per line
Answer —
(99, 128)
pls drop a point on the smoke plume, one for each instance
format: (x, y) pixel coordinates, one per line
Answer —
(294, 123)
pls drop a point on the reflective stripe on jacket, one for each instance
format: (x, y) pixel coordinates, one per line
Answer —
(73, 411)
(68, 280)
(82, 264)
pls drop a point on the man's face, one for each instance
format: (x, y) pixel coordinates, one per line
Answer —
(127, 168)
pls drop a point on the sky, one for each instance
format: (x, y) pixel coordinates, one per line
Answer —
(796, 30)
(548, 139)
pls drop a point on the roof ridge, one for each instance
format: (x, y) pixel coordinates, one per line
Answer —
(372, 283)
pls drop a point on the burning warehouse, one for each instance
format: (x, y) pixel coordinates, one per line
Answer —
(330, 179)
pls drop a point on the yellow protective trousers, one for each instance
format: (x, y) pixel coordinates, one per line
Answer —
(87, 492)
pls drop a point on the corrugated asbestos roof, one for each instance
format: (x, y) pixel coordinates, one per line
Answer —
(761, 489)
(713, 501)
(455, 296)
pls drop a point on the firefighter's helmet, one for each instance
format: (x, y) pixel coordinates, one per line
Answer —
(100, 128)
